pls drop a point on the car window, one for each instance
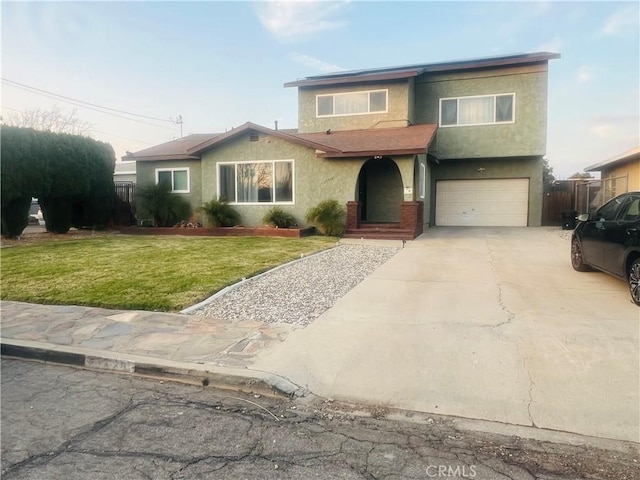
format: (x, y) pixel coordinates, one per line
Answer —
(631, 210)
(609, 211)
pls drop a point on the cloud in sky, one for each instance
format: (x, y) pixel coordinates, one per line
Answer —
(623, 21)
(315, 63)
(584, 74)
(288, 19)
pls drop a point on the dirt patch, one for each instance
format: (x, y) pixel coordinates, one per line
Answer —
(36, 234)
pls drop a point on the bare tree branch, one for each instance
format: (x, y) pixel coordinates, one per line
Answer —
(55, 120)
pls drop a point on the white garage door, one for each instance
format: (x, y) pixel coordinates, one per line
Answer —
(482, 203)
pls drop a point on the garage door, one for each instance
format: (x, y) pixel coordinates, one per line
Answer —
(482, 203)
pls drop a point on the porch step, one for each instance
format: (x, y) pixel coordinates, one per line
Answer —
(388, 233)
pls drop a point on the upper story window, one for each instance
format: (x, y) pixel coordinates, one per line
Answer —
(177, 178)
(477, 110)
(351, 103)
(256, 182)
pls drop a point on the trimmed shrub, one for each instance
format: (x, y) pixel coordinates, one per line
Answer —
(329, 217)
(60, 170)
(15, 216)
(57, 213)
(166, 208)
(220, 213)
(277, 217)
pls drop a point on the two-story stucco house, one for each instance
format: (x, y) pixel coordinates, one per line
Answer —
(453, 143)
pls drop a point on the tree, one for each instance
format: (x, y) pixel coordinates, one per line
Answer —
(581, 176)
(547, 174)
(56, 120)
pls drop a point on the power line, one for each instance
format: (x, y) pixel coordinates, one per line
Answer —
(18, 84)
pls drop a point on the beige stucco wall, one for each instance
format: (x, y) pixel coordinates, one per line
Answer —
(631, 170)
(530, 168)
(146, 175)
(398, 112)
(525, 137)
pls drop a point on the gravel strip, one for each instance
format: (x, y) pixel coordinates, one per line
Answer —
(300, 292)
(566, 234)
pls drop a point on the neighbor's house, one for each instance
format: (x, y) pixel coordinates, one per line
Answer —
(454, 143)
(619, 174)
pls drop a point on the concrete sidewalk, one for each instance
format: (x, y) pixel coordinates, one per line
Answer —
(191, 347)
(489, 324)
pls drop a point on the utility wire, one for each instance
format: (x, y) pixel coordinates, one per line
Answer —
(90, 129)
(88, 105)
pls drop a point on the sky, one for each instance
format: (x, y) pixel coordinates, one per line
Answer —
(218, 65)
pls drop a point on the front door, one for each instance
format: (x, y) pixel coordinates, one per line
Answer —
(380, 191)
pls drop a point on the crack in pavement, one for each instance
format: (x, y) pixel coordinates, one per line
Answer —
(186, 431)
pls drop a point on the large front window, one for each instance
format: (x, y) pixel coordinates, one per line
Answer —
(477, 110)
(176, 178)
(256, 182)
(351, 103)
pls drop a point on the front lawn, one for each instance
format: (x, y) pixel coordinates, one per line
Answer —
(166, 273)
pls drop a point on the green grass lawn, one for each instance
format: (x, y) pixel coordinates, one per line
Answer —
(165, 273)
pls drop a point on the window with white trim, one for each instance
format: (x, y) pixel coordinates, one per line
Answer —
(351, 103)
(477, 110)
(423, 180)
(256, 182)
(176, 178)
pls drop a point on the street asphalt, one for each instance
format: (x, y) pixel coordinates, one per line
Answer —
(490, 325)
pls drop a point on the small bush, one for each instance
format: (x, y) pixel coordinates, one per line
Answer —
(277, 217)
(164, 207)
(328, 217)
(220, 213)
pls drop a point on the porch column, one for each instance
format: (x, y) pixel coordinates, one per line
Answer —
(411, 216)
(353, 215)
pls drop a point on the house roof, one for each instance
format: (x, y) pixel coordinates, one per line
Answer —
(378, 141)
(408, 71)
(633, 154)
(340, 144)
(173, 150)
(197, 149)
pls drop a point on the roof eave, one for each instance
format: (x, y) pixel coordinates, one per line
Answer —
(258, 128)
(373, 77)
(372, 153)
(151, 158)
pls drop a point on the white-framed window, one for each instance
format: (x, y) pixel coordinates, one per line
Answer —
(352, 103)
(177, 178)
(478, 110)
(423, 180)
(265, 181)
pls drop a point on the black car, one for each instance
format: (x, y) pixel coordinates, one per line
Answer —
(609, 240)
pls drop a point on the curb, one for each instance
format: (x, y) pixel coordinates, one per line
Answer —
(228, 378)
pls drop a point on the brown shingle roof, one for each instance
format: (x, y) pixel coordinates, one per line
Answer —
(256, 128)
(371, 142)
(340, 144)
(173, 150)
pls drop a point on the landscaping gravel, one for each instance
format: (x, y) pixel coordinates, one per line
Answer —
(301, 291)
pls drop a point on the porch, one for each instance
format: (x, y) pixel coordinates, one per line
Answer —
(408, 228)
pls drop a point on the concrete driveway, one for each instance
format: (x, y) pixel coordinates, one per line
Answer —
(482, 323)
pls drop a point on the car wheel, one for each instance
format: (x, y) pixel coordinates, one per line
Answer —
(634, 281)
(577, 261)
